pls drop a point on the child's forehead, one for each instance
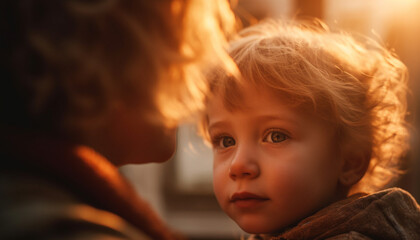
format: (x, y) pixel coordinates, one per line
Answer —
(242, 97)
(260, 106)
(253, 99)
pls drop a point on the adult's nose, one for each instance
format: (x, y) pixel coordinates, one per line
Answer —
(244, 164)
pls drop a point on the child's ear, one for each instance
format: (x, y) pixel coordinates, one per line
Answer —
(353, 168)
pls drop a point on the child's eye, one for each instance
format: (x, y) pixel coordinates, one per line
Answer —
(275, 137)
(224, 142)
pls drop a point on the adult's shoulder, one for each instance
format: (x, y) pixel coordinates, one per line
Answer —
(32, 207)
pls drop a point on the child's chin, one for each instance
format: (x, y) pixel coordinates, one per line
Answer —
(259, 228)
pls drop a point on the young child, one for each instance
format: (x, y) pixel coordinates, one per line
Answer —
(314, 122)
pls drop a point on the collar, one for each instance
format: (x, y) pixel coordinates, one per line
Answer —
(389, 214)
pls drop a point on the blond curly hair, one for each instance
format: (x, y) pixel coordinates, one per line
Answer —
(359, 87)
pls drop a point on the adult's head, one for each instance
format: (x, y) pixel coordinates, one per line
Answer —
(115, 75)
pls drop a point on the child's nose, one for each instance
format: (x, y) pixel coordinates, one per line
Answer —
(244, 165)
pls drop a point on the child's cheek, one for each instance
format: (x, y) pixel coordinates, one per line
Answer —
(220, 180)
(296, 191)
(287, 179)
(302, 192)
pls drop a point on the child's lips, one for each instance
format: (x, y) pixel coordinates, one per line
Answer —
(247, 200)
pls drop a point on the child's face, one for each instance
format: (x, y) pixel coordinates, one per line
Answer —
(273, 165)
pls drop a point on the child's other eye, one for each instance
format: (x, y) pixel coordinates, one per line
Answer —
(224, 142)
(275, 137)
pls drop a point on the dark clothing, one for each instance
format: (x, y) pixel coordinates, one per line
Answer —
(57, 190)
(388, 214)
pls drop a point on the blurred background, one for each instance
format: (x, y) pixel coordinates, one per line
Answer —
(181, 189)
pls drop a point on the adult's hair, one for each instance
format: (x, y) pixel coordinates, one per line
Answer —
(64, 64)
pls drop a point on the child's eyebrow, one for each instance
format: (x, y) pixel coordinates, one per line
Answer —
(275, 117)
(258, 119)
(218, 124)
